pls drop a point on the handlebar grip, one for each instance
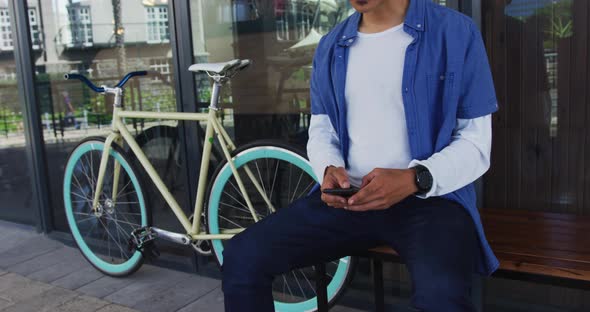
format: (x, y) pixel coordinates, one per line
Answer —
(84, 80)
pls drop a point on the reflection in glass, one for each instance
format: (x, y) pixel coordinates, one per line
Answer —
(15, 179)
(270, 99)
(540, 53)
(104, 40)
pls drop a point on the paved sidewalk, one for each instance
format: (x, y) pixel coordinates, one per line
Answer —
(38, 273)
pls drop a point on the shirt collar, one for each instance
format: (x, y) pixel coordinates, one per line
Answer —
(414, 19)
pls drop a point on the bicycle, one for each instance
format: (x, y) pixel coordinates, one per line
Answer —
(106, 207)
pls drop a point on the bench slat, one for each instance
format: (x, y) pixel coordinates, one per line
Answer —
(538, 243)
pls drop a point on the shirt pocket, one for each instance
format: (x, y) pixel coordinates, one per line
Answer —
(440, 88)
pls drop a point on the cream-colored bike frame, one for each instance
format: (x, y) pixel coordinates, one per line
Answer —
(120, 133)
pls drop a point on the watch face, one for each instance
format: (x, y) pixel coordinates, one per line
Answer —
(424, 180)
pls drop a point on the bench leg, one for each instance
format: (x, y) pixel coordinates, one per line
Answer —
(477, 293)
(321, 287)
(378, 285)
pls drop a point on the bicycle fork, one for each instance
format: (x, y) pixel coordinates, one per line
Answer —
(113, 137)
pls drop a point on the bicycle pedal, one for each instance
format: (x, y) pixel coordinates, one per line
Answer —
(140, 238)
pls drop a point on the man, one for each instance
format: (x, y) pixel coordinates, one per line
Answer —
(401, 100)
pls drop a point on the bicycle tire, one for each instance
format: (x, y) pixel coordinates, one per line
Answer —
(89, 245)
(342, 272)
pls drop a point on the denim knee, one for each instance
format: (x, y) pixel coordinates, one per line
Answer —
(442, 293)
(245, 263)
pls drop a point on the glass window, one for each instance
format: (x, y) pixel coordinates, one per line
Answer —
(279, 37)
(78, 32)
(15, 175)
(157, 19)
(34, 29)
(6, 30)
(83, 39)
(540, 156)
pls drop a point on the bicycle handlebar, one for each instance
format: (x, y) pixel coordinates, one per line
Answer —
(101, 89)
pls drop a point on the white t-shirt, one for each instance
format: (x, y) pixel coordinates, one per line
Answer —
(374, 106)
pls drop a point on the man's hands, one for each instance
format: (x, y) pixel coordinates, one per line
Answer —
(335, 177)
(382, 188)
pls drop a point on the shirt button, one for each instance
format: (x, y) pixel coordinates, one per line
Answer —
(419, 25)
(406, 90)
(343, 37)
(442, 77)
(350, 40)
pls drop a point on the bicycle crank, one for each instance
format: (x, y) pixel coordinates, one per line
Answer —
(203, 247)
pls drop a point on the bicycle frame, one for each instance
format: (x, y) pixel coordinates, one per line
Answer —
(121, 133)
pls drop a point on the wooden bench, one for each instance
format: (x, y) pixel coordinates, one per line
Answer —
(541, 247)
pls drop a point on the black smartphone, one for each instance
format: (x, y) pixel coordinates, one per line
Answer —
(347, 192)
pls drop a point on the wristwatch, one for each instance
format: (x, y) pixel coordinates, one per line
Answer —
(423, 180)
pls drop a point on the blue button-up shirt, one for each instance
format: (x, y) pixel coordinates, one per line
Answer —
(446, 76)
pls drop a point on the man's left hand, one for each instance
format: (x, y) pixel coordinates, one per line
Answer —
(383, 188)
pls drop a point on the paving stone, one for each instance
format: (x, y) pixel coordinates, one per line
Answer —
(211, 302)
(14, 234)
(46, 301)
(107, 285)
(79, 278)
(5, 303)
(45, 260)
(179, 295)
(159, 280)
(115, 308)
(15, 288)
(82, 303)
(26, 250)
(59, 270)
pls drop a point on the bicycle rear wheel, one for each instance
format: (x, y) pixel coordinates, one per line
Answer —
(103, 234)
(284, 176)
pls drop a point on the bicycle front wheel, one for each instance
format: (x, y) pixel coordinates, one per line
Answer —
(284, 175)
(103, 234)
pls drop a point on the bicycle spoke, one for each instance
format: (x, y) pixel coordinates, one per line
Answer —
(259, 176)
(237, 201)
(274, 179)
(127, 203)
(78, 183)
(83, 220)
(307, 188)
(230, 221)
(124, 187)
(128, 213)
(133, 224)
(288, 288)
(109, 234)
(126, 194)
(297, 186)
(241, 209)
(298, 284)
(308, 282)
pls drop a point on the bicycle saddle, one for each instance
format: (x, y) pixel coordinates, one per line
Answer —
(220, 68)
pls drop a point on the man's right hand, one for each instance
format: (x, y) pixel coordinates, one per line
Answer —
(335, 177)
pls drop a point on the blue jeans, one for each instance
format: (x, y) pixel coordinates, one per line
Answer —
(434, 237)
